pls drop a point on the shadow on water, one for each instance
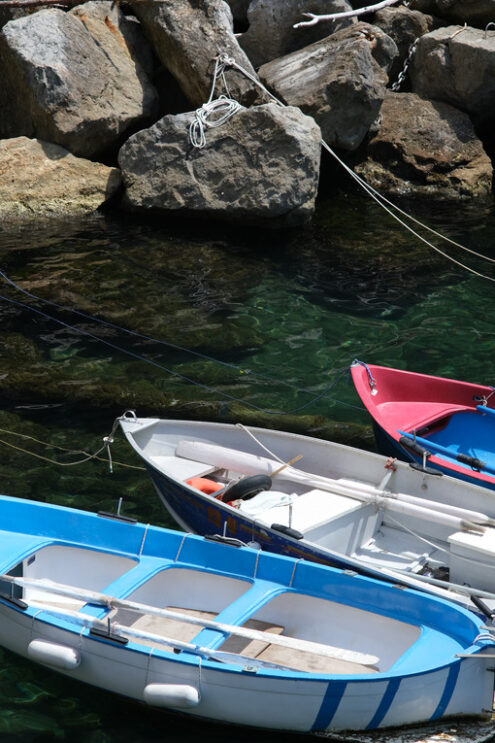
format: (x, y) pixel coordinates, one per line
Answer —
(226, 324)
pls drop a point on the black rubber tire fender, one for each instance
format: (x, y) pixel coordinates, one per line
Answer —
(247, 488)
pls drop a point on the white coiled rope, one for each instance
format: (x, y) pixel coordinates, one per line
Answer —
(210, 115)
(216, 112)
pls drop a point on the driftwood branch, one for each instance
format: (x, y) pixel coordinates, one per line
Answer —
(314, 18)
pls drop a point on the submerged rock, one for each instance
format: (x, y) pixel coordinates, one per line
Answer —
(271, 31)
(261, 165)
(39, 179)
(339, 81)
(426, 148)
(74, 78)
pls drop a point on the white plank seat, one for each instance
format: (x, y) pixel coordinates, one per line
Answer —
(182, 469)
(472, 557)
(317, 513)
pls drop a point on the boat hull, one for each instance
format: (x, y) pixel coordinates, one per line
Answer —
(200, 514)
(463, 688)
(432, 665)
(450, 419)
(346, 533)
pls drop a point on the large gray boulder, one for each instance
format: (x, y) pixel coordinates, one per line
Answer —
(340, 81)
(41, 180)
(404, 26)
(261, 166)
(426, 148)
(457, 65)
(75, 78)
(188, 36)
(271, 31)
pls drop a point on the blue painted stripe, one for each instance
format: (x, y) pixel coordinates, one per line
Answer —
(384, 705)
(331, 700)
(448, 691)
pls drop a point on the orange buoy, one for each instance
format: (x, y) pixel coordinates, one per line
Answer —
(206, 486)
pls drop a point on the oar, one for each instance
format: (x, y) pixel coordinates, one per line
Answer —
(285, 465)
(484, 409)
(252, 464)
(473, 462)
(463, 513)
(449, 588)
(101, 599)
(220, 655)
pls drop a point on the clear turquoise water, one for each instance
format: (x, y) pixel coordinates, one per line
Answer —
(286, 313)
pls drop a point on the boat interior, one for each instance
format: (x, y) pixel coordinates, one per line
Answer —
(469, 433)
(348, 517)
(208, 597)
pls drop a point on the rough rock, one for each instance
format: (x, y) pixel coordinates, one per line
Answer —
(10, 14)
(187, 37)
(340, 81)
(426, 148)
(261, 166)
(239, 9)
(473, 12)
(74, 78)
(404, 26)
(40, 179)
(271, 31)
(457, 65)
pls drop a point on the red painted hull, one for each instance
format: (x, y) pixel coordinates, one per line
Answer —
(440, 411)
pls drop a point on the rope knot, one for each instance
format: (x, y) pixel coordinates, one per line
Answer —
(211, 114)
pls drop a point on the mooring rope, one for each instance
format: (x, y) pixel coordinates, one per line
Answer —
(185, 378)
(381, 200)
(142, 336)
(213, 113)
(107, 440)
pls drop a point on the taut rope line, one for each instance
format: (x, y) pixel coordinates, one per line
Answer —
(386, 204)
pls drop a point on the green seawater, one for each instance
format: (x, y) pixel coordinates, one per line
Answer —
(227, 324)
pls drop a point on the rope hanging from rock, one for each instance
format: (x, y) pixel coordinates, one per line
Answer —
(216, 112)
(211, 114)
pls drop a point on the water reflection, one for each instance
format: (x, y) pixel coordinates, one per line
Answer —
(286, 313)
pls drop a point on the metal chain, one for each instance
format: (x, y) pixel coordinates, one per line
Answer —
(402, 74)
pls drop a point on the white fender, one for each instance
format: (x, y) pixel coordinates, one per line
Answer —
(171, 695)
(59, 656)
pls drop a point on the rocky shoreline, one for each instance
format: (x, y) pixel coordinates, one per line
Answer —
(103, 105)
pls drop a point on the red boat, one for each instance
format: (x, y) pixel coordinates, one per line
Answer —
(441, 423)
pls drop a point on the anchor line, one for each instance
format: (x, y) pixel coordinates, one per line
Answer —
(185, 378)
(392, 209)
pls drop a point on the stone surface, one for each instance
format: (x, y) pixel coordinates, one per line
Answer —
(473, 12)
(39, 179)
(262, 165)
(404, 26)
(457, 65)
(426, 148)
(271, 31)
(340, 81)
(239, 9)
(74, 78)
(187, 37)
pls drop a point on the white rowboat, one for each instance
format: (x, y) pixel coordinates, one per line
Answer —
(232, 634)
(325, 502)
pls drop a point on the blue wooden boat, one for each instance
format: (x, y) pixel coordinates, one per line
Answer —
(229, 633)
(443, 423)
